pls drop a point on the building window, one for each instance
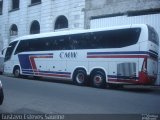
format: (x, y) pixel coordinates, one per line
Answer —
(61, 22)
(35, 1)
(15, 4)
(13, 30)
(1, 6)
(35, 27)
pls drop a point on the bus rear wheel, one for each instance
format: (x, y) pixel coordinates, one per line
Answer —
(98, 79)
(16, 72)
(80, 77)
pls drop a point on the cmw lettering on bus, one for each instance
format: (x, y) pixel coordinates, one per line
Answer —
(68, 55)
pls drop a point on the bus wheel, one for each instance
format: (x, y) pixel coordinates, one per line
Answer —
(80, 77)
(98, 79)
(16, 72)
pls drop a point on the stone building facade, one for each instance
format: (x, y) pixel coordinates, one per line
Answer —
(110, 8)
(23, 17)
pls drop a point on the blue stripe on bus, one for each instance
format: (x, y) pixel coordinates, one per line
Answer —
(153, 52)
(48, 73)
(25, 61)
(27, 66)
(126, 52)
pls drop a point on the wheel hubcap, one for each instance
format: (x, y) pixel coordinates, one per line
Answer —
(80, 78)
(98, 79)
(17, 73)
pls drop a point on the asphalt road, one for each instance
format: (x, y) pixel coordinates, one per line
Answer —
(32, 96)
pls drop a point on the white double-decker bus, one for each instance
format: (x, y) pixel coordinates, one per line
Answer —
(118, 55)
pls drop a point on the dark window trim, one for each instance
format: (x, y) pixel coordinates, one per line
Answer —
(143, 12)
(1, 10)
(33, 4)
(15, 5)
(14, 10)
(129, 13)
(107, 16)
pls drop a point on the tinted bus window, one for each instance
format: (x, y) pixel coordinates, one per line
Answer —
(106, 39)
(61, 43)
(95, 40)
(81, 41)
(116, 38)
(22, 46)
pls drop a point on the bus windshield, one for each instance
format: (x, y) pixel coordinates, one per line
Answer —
(10, 51)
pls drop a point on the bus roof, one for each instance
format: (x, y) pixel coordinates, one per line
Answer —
(70, 32)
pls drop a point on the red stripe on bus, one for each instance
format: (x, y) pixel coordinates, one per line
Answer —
(33, 64)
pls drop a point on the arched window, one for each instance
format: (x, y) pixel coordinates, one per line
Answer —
(61, 22)
(35, 27)
(13, 30)
(15, 4)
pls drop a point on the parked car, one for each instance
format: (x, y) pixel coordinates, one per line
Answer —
(1, 64)
(1, 93)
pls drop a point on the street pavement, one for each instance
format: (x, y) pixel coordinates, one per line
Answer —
(59, 97)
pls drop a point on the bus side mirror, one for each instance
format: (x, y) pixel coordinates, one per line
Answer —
(2, 52)
(4, 49)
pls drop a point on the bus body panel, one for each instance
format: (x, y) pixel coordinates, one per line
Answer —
(152, 61)
(133, 64)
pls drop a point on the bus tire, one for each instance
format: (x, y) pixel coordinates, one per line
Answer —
(98, 79)
(16, 72)
(1, 96)
(80, 77)
(1, 73)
